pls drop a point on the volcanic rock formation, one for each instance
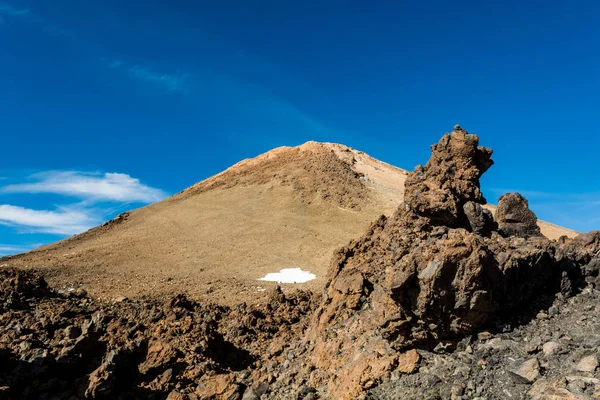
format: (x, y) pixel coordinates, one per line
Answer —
(437, 269)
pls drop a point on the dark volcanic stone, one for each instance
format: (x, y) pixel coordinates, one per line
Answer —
(515, 218)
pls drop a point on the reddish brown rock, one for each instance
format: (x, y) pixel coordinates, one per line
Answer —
(408, 361)
(436, 269)
(160, 354)
(450, 179)
(219, 387)
(515, 218)
(480, 219)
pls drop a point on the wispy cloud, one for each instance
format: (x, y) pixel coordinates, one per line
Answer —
(63, 221)
(99, 196)
(90, 186)
(172, 82)
(7, 249)
(10, 10)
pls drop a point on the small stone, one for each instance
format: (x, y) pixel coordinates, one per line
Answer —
(576, 386)
(261, 388)
(250, 395)
(484, 335)
(587, 380)
(244, 375)
(175, 395)
(542, 315)
(553, 311)
(120, 299)
(457, 390)
(527, 372)
(72, 332)
(304, 391)
(78, 293)
(25, 345)
(533, 346)
(546, 389)
(587, 364)
(407, 362)
(443, 347)
(550, 348)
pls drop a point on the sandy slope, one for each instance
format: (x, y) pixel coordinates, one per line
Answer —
(290, 207)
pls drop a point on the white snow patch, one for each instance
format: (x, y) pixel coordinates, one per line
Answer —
(289, 275)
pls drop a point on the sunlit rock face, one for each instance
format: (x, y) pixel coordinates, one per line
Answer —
(438, 268)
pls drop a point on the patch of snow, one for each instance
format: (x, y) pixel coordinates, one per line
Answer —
(289, 275)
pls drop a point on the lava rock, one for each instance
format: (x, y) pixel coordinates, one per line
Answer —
(527, 372)
(515, 218)
(480, 219)
(588, 364)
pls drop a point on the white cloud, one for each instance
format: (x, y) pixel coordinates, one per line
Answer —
(92, 186)
(63, 221)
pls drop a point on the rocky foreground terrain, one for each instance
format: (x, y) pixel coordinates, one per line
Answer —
(441, 300)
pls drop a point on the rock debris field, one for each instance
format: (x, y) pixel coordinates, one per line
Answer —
(443, 299)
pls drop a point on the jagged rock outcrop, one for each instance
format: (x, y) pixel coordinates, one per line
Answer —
(437, 269)
(515, 218)
(581, 256)
(450, 179)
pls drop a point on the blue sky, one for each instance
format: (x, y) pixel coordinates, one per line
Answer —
(109, 105)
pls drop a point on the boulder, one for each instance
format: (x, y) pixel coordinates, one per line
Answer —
(480, 219)
(515, 218)
(526, 372)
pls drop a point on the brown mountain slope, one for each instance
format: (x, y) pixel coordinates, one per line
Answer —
(290, 207)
